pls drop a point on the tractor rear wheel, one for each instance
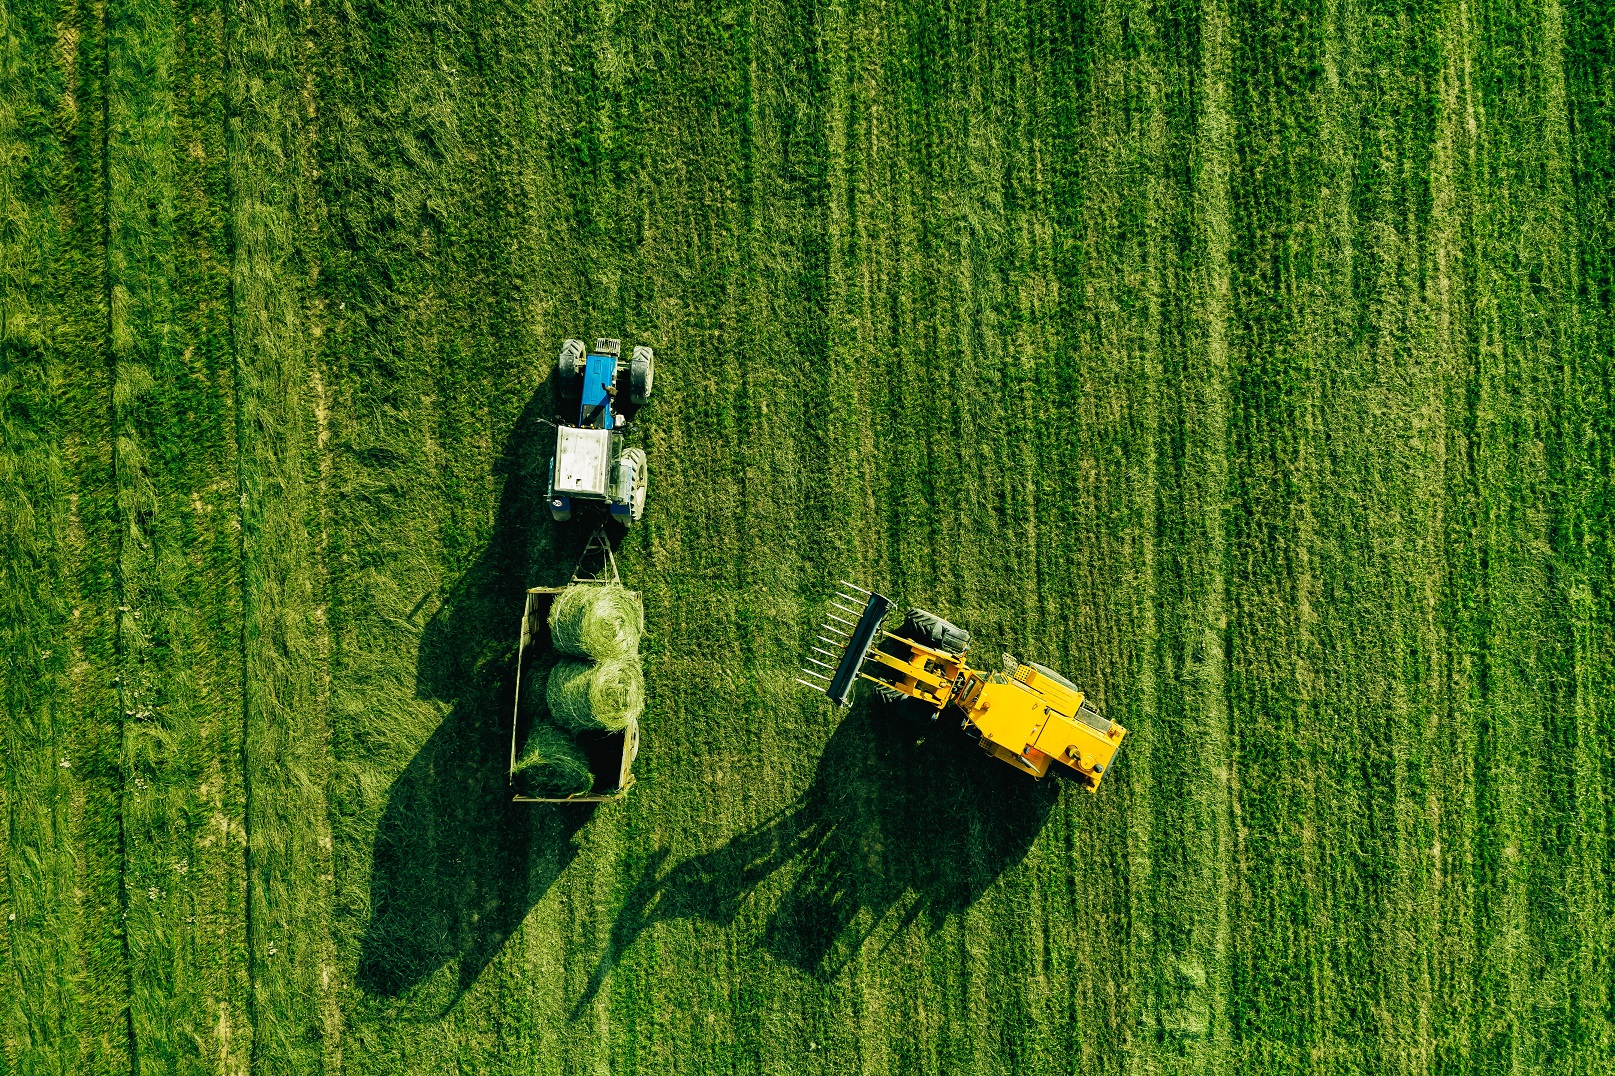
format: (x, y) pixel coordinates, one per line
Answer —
(570, 363)
(641, 374)
(636, 493)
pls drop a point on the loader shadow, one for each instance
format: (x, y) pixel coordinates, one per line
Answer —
(891, 832)
(456, 865)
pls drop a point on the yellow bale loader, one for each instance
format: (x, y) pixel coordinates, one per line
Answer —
(1025, 714)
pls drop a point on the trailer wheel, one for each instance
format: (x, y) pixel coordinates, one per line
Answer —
(570, 363)
(641, 374)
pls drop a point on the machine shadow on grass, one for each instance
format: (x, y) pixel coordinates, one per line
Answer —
(887, 826)
(456, 865)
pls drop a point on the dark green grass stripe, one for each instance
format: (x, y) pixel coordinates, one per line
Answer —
(1184, 987)
(1581, 537)
(286, 737)
(1588, 425)
(179, 625)
(1519, 330)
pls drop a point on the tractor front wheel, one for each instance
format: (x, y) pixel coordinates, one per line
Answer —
(570, 363)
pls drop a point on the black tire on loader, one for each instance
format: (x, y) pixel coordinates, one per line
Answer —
(908, 708)
(931, 630)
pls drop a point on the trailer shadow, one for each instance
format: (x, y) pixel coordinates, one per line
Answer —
(889, 833)
(456, 865)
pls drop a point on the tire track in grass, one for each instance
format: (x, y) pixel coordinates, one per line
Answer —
(1464, 600)
(178, 592)
(63, 1007)
(1452, 747)
(286, 734)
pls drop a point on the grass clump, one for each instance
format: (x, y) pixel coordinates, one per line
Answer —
(595, 621)
(551, 764)
(609, 695)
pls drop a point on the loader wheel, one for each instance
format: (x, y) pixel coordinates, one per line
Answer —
(570, 363)
(641, 374)
(910, 709)
(931, 630)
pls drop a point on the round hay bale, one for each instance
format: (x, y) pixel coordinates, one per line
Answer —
(599, 621)
(609, 695)
(550, 764)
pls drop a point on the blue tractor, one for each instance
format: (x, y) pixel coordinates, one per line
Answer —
(592, 463)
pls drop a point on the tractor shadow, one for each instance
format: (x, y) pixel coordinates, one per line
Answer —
(456, 865)
(887, 826)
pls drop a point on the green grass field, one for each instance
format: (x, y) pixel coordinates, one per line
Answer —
(1249, 361)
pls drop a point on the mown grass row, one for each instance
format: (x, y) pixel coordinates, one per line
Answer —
(179, 620)
(279, 410)
(436, 280)
(62, 960)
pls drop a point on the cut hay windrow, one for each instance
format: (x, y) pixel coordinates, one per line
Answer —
(595, 621)
(610, 695)
(551, 764)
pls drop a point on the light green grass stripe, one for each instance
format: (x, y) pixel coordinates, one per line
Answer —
(1451, 962)
(286, 738)
(41, 1005)
(62, 1005)
(1216, 849)
(1520, 337)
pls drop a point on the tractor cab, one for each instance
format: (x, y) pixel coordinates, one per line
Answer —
(592, 462)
